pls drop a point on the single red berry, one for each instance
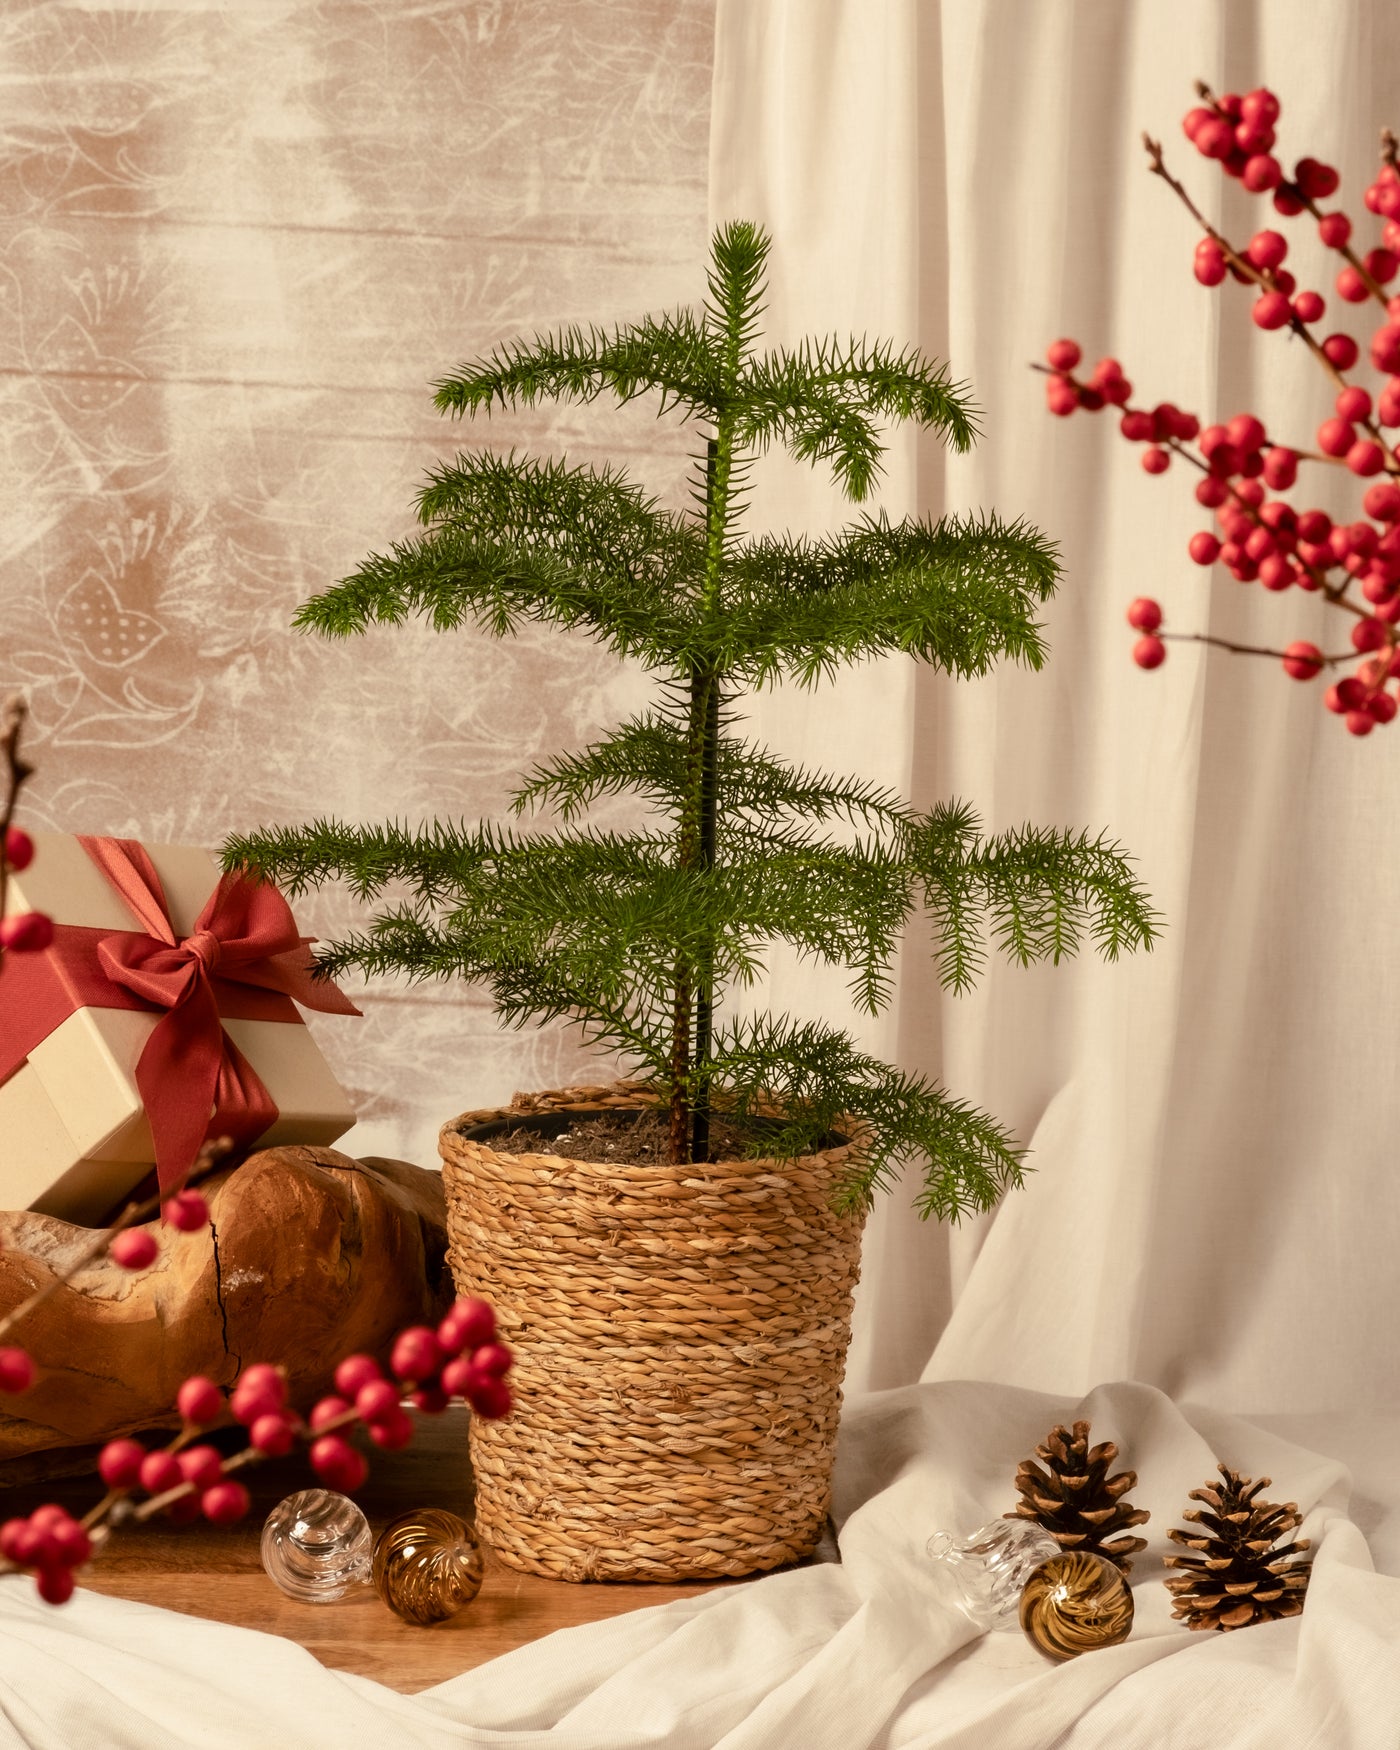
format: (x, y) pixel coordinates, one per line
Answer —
(1260, 544)
(1148, 652)
(1252, 138)
(1382, 501)
(1288, 201)
(12, 1539)
(1341, 350)
(1213, 438)
(329, 1409)
(19, 848)
(200, 1465)
(187, 1211)
(1388, 407)
(55, 1584)
(1106, 373)
(1184, 426)
(1262, 173)
(1302, 660)
(392, 1431)
(432, 1400)
(1280, 469)
(1260, 107)
(1250, 492)
(1061, 396)
(264, 1377)
(1381, 264)
(1382, 707)
(1271, 311)
(1155, 460)
(119, 1464)
(377, 1398)
(74, 1544)
(1335, 437)
(273, 1435)
(1380, 590)
(1137, 427)
(1090, 399)
(1385, 348)
(160, 1471)
(1351, 287)
(133, 1248)
(455, 1376)
(354, 1372)
(1317, 181)
(1194, 118)
(1266, 250)
(1365, 457)
(16, 1370)
(1211, 492)
(1245, 432)
(338, 1464)
(491, 1398)
(1231, 104)
(1284, 282)
(1360, 722)
(1309, 306)
(1367, 635)
(1209, 264)
(225, 1503)
(1334, 229)
(251, 1401)
(1362, 540)
(1063, 355)
(1353, 403)
(469, 1323)
(1388, 201)
(1314, 525)
(1204, 549)
(1276, 572)
(1388, 612)
(495, 1359)
(416, 1354)
(1214, 138)
(27, 932)
(200, 1401)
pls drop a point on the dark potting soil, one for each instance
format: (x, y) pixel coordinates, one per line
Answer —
(609, 1137)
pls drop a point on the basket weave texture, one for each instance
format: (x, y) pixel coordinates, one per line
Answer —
(680, 1334)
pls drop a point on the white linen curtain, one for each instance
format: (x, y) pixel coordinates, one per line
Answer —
(1212, 1207)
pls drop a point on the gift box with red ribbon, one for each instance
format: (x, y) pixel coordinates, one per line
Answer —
(164, 1013)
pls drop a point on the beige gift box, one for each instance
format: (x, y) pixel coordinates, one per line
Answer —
(74, 1138)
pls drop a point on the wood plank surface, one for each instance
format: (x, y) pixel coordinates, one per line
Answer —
(212, 1572)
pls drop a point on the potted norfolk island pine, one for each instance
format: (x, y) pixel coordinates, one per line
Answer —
(671, 1257)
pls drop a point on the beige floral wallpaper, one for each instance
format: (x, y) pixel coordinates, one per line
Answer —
(240, 238)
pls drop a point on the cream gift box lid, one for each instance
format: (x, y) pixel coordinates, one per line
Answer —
(73, 1133)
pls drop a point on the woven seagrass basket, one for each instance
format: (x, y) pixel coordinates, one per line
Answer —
(680, 1335)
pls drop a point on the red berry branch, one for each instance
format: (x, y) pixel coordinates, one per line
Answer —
(1245, 471)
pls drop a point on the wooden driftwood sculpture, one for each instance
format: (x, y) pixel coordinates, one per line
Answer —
(312, 1255)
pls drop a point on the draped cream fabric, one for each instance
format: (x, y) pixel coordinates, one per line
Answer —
(1212, 1206)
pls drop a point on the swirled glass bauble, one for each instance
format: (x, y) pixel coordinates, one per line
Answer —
(427, 1565)
(315, 1545)
(1074, 1603)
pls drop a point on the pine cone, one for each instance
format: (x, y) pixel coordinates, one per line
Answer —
(1076, 1500)
(1239, 1577)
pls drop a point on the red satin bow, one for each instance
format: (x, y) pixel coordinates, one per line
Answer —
(192, 1078)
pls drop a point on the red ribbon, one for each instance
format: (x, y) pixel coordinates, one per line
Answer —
(244, 958)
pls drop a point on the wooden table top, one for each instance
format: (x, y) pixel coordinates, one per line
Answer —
(216, 1572)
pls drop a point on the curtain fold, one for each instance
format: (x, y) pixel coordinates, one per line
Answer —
(1210, 1208)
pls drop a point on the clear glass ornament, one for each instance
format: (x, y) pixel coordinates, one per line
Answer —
(316, 1546)
(427, 1565)
(989, 1568)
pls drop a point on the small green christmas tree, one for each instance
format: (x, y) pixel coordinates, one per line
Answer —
(639, 936)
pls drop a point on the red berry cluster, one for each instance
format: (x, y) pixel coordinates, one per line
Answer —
(27, 932)
(51, 1543)
(1259, 537)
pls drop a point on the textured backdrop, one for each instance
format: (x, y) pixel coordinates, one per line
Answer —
(239, 242)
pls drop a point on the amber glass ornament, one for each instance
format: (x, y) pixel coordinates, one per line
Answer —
(1074, 1603)
(427, 1565)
